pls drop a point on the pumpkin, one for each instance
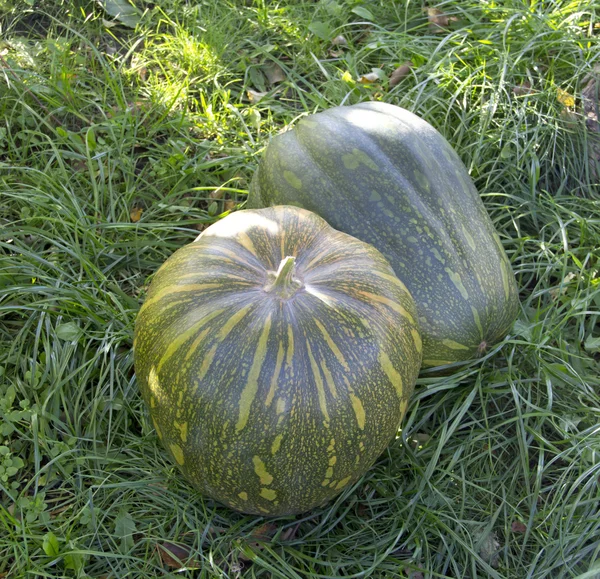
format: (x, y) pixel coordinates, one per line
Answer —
(276, 356)
(387, 177)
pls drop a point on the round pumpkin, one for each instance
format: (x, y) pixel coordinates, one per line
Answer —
(382, 174)
(276, 356)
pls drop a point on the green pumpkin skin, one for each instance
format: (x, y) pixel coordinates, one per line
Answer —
(273, 400)
(387, 177)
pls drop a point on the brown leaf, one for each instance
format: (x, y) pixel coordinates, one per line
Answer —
(264, 532)
(59, 511)
(258, 537)
(438, 20)
(176, 556)
(290, 533)
(518, 527)
(522, 89)
(402, 71)
(229, 205)
(216, 194)
(362, 510)
(136, 214)
(274, 73)
(79, 166)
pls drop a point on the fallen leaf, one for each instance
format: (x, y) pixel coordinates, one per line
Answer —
(518, 527)
(589, 98)
(59, 511)
(522, 89)
(177, 556)
(290, 533)
(591, 103)
(79, 166)
(402, 71)
(264, 532)
(488, 548)
(274, 73)
(236, 568)
(439, 20)
(419, 439)
(255, 541)
(563, 287)
(136, 214)
(564, 98)
(369, 78)
(255, 96)
(229, 205)
(216, 194)
(339, 40)
(362, 510)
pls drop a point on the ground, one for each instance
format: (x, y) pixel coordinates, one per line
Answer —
(124, 131)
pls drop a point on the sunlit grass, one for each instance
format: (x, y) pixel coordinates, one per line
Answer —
(118, 145)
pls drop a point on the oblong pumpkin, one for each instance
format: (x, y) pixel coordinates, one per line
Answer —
(276, 356)
(387, 177)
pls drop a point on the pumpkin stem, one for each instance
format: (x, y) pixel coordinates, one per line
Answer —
(282, 282)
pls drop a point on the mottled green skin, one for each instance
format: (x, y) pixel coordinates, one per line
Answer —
(384, 175)
(273, 405)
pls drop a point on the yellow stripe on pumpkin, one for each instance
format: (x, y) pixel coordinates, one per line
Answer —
(319, 383)
(251, 387)
(389, 303)
(275, 378)
(393, 375)
(184, 337)
(171, 290)
(332, 346)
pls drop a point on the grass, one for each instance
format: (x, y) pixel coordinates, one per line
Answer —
(118, 144)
